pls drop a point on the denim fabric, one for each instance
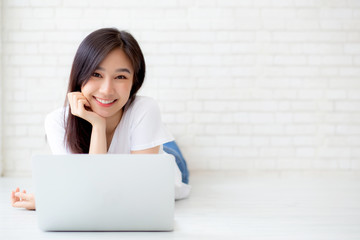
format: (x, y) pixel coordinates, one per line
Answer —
(173, 149)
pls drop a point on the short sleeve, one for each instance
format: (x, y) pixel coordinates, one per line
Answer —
(147, 128)
(55, 131)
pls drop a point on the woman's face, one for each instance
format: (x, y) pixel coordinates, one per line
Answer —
(109, 87)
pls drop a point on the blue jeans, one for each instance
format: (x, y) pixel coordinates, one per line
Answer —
(173, 149)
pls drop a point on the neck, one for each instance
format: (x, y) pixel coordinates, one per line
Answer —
(113, 121)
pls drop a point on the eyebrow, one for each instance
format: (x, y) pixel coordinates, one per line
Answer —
(117, 70)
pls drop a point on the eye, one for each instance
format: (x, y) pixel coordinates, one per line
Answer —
(95, 74)
(120, 77)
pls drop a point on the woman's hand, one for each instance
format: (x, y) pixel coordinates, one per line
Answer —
(22, 199)
(80, 107)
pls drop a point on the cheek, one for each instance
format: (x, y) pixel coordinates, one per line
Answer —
(130, 85)
(85, 91)
(88, 88)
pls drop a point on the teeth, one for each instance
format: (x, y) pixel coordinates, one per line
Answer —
(104, 101)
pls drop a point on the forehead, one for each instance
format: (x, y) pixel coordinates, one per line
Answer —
(115, 59)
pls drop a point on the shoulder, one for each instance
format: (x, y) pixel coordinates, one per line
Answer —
(56, 117)
(144, 100)
(143, 104)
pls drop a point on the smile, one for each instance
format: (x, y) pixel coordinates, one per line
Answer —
(104, 102)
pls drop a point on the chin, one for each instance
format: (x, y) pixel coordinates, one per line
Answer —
(106, 114)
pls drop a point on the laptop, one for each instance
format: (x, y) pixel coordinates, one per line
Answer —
(105, 192)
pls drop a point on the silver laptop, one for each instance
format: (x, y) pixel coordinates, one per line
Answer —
(82, 192)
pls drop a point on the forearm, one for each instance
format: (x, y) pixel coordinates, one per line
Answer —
(98, 144)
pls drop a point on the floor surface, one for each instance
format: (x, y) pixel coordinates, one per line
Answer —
(231, 205)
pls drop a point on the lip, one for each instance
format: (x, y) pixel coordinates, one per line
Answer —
(104, 104)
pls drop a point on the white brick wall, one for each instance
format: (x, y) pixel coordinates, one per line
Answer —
(1, 80)
(255, 84)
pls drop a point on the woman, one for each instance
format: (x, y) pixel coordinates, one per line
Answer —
(102, 113)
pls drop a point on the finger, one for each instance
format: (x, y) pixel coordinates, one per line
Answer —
(22, 196)
(21, 204)
(13, 199)
(77, 97)
(16, 191)
(87, 103)
(71, 94)
(73, 106)
(24, 191)
(82, 108)
(76, 94)
(81, 103)
(27, 205)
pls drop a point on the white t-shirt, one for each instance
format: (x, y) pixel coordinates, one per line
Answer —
(140, 128)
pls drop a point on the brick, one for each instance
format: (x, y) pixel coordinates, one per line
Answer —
(352, 48)
(290, 60)
(344, 83)
(270, 129)
(205, 141)
(213, 129)
(18, 12)
(300, 129)
(305, 152)
(26, 60)
(66, 12)
(274, 24)
(21, 37)
(307, 13)
(348, 129)
(342, 117)
(281, 141)
(195, 128)
(285, 94)
(206, 117)
(174, 106)
(247, 152)
(330, 60)
(43, 12)
(306, 117)
(333, 152)
(331, 24)
(78, 3)
(268, 152)
(220, 106)
(337, 13)
(284, 118)
(338, 94)
(49, 3)
(305, 141)
(235, 3)
(258, 118)
(233, 141)
(247, 12)
(17, 3)
(310, 94)
(177, 129)
(258, 106)
(348, 106)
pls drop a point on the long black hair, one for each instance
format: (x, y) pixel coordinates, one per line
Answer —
(92, 50)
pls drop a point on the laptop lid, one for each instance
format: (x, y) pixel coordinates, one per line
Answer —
(82, 192)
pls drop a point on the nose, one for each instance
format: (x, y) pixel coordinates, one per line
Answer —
(107, 87)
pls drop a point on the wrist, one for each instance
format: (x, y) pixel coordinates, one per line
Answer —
(99, 124)
(98, 144)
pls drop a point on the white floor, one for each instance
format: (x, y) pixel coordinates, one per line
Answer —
(232, 205)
